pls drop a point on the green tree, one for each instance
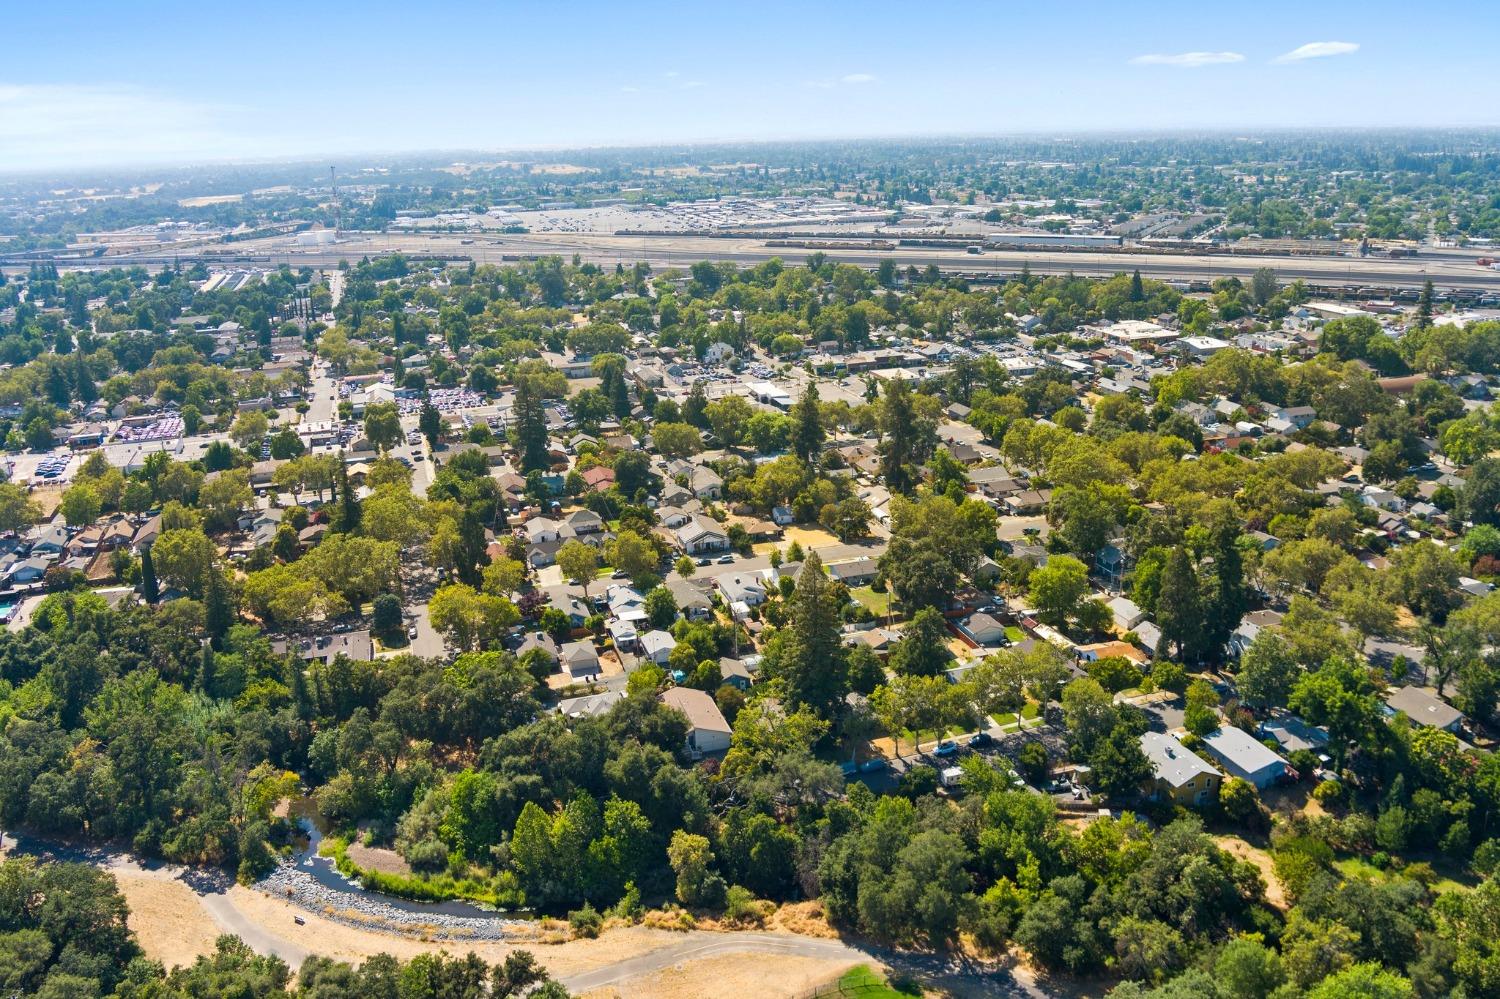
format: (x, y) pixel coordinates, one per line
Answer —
(17, 509)
(80, 505)
(249, 429)
(383, 425)
(922, 650)
(808, 655)
(579, 562)
(1178, 609)
(469, 619)
(1058, 588)
(808, 433)
(692, 861)
(530, 428)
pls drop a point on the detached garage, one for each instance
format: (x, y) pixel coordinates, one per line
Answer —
(1241, 755)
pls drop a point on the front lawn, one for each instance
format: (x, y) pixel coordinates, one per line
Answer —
(878, 604)
(864, 983)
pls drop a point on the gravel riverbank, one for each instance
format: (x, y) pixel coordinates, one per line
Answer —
(367, 910)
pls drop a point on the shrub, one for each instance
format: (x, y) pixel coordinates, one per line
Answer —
(1330, 792)
(741, 906)
(1486, 857)
(586, 922)
(629, 907)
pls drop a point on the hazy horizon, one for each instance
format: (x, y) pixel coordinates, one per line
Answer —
(115, 88)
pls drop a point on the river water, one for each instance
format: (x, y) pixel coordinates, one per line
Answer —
(322, 870)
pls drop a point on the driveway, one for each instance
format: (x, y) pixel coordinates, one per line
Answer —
(428, 643)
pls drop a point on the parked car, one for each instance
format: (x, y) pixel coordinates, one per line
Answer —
(982, 741)
(878, 764)
(725, 560)
(946, 748)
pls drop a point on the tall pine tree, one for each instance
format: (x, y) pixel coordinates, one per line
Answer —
(150, 590)
(807, 426)
(807, 655)
(1178, 613)
(531, 428)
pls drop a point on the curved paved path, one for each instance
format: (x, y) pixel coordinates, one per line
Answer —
(212, 890)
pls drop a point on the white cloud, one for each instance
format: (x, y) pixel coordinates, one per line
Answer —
(693, 85)
(671, 74)
(857, 78)
(630, 90)
(1187, 60)
(65, 125)
(1318, 50)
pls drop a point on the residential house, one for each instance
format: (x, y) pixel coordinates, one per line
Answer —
(705, 483)
(1425, 708)
(737, 673)
(1177, 773)
(702, 535)
(1027, 502)
(1112, 562)
(599, 478)
(539, 641)
(746, 588)
(590, 705)
(585, 522)
(50, 540)
(357, 645)
(579, 659)
(1294, 734)
(1126, 614)
(1245, 757)
(984, 629)
(708, 732)
(860, 572)
(692, 602)
(657, 646)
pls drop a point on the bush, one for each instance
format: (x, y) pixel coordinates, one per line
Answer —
(586, 922)
(918, 781)
(629, 907)
(1330, 792)
(1032, 759)
(741, 906)
(1304, 761)
(1486, 857)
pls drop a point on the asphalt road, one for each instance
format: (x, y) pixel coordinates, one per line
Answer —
(1448, 269)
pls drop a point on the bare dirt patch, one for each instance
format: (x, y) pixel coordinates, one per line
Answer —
(375, 858)
(810, 538)
(732, 976)
(167, 917)
(1262, 860)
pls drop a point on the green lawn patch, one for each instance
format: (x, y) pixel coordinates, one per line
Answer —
(864, 983)
(1355, 866)
(1014, 633)
(1030, 710)
(878, 604)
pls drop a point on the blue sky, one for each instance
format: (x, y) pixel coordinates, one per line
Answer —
(88, 83)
